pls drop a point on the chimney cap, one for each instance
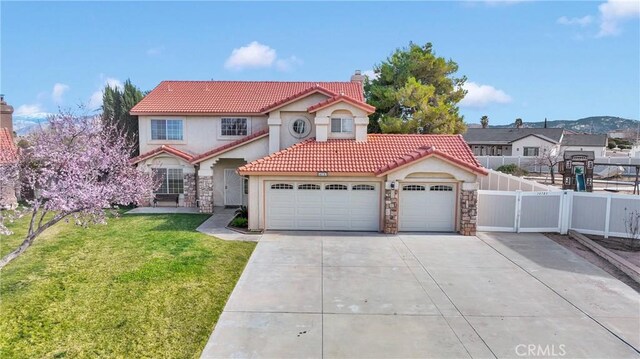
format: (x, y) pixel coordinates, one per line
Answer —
(358, 72)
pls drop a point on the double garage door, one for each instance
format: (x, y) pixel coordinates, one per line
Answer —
(343, 206)
(355, 206)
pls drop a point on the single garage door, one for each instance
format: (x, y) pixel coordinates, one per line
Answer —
(427, 207)
(343, 206)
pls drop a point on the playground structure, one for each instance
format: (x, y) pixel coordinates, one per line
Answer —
(577, 170)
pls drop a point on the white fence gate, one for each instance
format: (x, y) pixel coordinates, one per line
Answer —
(591, 213)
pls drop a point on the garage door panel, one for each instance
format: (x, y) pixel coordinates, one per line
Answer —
(323, 206)
(427, 207)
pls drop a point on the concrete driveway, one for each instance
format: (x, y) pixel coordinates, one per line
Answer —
(337, 295)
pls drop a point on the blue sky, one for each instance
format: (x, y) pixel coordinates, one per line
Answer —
(560, 60)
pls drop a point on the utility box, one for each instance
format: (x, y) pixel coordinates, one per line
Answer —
(577, 170)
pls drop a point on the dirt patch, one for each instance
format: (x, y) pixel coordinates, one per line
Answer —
(584, 252)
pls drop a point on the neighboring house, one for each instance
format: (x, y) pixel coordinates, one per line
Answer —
(8, 156)
(299, 155)
(585, 142)
(528, 142)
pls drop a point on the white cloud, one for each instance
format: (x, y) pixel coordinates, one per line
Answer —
(613, 12)
(95, 100)
(482, 95)
(370, 74)
(580, 21)
(253, 55)
(58, 92)
(28, 110)
(256, 55)
(288, 64)
(503, 2)
(155, 51)
(113, 82)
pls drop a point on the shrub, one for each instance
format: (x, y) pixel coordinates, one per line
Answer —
(242, 212)
(512, 169)
(240, 222)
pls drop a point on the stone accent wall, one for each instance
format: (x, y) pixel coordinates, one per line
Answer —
(8, 199)
(189, 190)
(391, 211)
(205, 193)
(469, 211)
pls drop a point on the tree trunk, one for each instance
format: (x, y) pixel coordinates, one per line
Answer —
(553, 175)
(13, 255)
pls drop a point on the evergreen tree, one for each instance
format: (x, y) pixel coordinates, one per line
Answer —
(116, 104)
(416, 92)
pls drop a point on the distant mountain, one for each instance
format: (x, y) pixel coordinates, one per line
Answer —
(594, 124)
(23, 124)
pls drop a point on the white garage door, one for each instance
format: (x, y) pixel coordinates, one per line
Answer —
(427, 207)
(343, 206)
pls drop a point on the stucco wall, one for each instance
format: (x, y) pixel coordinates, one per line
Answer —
(433, 166)
(531, 141)
(200, 133)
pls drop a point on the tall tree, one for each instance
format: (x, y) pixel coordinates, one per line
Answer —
(484, 121)
(416, 92)
(518, 122)
(116, 104)
(77, 168)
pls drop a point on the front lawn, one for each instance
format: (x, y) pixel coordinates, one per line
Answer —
(141, 286)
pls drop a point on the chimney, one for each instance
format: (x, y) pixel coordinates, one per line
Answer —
(6, 115)
(357, 77)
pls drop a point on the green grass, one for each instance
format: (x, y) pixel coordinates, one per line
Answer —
(140, 286)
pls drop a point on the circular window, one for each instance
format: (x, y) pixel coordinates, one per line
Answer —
(300, 127)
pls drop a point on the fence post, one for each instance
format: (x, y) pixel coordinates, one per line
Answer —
(518, 211)
(607, 217)
(565, 211)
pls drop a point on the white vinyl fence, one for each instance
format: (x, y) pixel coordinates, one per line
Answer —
(558, 211)
(529, 163)
(498, 181)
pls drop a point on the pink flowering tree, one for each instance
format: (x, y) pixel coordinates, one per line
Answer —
(77, 169)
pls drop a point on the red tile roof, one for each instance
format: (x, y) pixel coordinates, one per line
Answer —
(380, 154)
(341, 98)
(163, 149)
(229, 146)
(8, 149)
(178, 97)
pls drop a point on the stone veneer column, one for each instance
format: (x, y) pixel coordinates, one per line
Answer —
(468, 209)
(190, 190)
(391, 211)
(205, 193)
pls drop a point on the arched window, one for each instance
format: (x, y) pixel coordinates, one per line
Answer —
(413, 187)
(281, 186)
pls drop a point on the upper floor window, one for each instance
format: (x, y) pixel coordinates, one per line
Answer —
(233, 126)
(531, 151)
(341, 124)
(166, 130)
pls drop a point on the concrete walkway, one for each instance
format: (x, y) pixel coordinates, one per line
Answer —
(216, 226)
(315, 295)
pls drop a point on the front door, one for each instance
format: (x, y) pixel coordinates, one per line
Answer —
(232, 188)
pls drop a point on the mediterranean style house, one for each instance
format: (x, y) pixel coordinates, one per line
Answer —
(299, 156)
(8, 155)
(532, 142)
